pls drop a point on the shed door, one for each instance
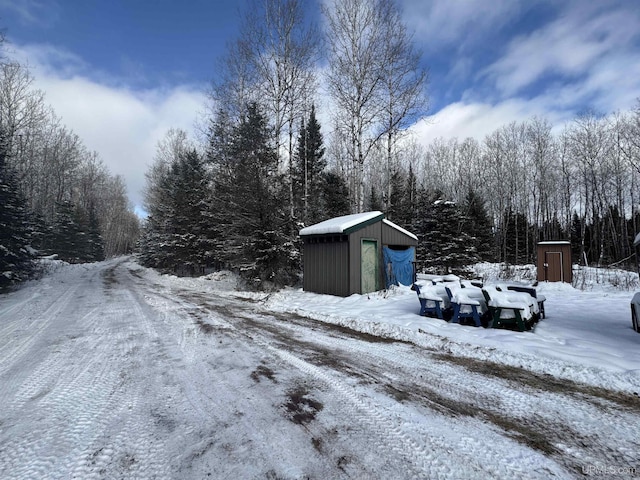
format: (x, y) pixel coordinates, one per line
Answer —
(369, 266)
(553, 267)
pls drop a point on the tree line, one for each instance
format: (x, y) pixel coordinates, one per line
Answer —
(56, 196)
(579, 183)
(267, 168)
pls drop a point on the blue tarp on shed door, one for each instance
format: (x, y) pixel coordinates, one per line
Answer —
(398, 266)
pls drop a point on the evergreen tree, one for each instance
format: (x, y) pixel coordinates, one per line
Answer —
(70, 241)
(517, 236)
(95, 251)
(176, 235)
(476, 223)
(398, 202)
(576, 238)
(16, 254)
(375, 200)
(187, 185)
(335, 196)
(445, 246)
(251, 201)
(309, 166)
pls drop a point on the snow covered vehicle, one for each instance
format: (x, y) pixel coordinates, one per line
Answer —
(635, 301)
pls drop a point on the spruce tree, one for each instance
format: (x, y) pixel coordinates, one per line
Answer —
(335, 195)
(95, 251)
(70, 227)
(517, 236)
(176, 234)
(444, 244)
(375, 199)
(309, 165)
(16, 255)
(476, 223)
(259, 237)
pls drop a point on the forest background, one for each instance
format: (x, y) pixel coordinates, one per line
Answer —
(265, 166)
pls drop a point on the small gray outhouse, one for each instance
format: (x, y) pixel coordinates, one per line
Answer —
(357, 253)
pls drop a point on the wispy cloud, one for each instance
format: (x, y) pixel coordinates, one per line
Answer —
(570, 47)
(33, 12)
(568, 57)
(459, 23)
(477, 120)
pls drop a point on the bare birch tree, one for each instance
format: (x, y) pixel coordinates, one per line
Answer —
(374, 78)
(356, 46)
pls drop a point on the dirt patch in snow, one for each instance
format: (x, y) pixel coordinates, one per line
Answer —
(300, 407)
(263, 371)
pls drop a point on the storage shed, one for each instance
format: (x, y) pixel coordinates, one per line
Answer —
(554, 262)
(357, 253)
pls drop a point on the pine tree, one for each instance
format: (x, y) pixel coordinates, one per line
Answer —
(309, 165)
(335, 196)
(16, 255)
(478, 226)
(259, 239)
(445, 246)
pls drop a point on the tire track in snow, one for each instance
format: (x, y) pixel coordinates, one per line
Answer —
(552, 421)
(75, 411)
(230, 399)
(414, 445)
(77, 391)
(14, 348)
(450, 434)
(546, 421)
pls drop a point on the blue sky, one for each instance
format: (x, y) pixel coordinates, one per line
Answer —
(121, 73)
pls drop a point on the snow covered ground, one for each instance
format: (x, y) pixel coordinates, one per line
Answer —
(110, 370)
(586, 337)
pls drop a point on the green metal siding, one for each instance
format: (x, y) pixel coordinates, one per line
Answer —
(391, 236)
(325, 268)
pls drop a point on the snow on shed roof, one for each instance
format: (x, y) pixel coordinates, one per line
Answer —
(349, 223)
(341, 224)
(400, 229)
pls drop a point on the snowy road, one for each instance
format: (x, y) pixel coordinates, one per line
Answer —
(107, 373)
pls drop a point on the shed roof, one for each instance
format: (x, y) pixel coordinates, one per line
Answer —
(344, 224)
(347, 224)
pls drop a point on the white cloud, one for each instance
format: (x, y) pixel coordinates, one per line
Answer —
(121, 124)
(461, 120)
(585, 57)
(446, 22)
(33, 11)
(571, 46)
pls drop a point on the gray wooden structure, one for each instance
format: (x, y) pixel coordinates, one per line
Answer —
(343, 255)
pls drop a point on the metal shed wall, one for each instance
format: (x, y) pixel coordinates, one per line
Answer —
(391, 236)
(326, 266)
